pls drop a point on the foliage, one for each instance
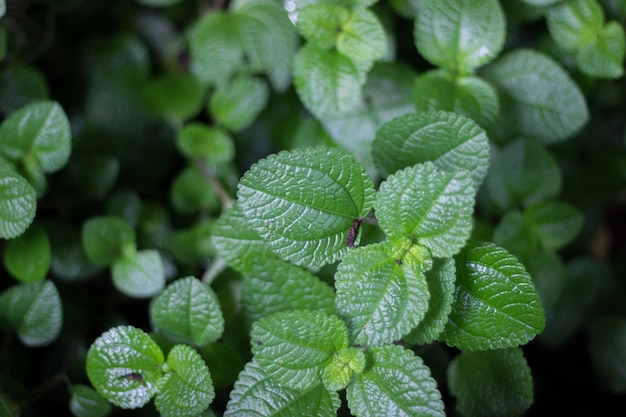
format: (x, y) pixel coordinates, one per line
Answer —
(312, 207)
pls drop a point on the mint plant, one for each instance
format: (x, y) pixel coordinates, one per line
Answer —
(316, 208)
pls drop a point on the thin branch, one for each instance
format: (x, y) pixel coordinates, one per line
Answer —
(225, 198)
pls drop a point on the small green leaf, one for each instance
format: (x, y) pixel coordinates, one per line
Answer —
(237, 104)
(427, 204)
(514, 235)
(258, 395)
(40, 130)
(34, 310)
(605, 57)
(574, 23)
(125, 365)
(440, 279)
(295, 346)
(608, 351)
(460, 36)
(395, 383)
(139, 274)
(362, 37)
(191, 192)
(496, 305)
(105, 239)
(188, 311)
(538, 98)
(344, 365)
(555, 223)
(303, 203)
(27, 257)
(212, 144)
(548, 274)
(328, 83)
(18, 202)
(466, 95)
(381, 291)
(451, 141)
(271, 285)
(495, 383)
(192, 245)
(188, 388)
(174, 96)
(86, 402)
(320, 23)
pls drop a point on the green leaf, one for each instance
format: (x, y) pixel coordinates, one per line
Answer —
(328, 83)
(605, 57)
(174, 96)
(440, 279)
(295, 346)
(258, 395)
(362, 37)
(344, 365)
(396, 383)
(191, 192)
(139, 274)
(491, 384)
(608, 350)
(513, 234)
(34, 310)
(555, 223)
(188, 311)
(18, 202)
(212, 144)
(39, 130)
(271, 285)
(449, 140)
(538, 98)
(303, 203)
(523, 172)
(381, 291)
(237, 104)
(188, 388)
(495, 305)
(432, 206)
(459, 36)
(574, 23)
(548, 274)
(125, 366)
(192, 245)
(105, 239)
(27, 257)
(215, 48)
(86, 402)
(236, 242)
(321, 23)
(466, 95)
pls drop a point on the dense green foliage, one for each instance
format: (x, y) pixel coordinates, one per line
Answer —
(312, 207)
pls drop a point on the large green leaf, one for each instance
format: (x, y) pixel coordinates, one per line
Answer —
(188, 311)
(257, 395)
(271, 285)
(538, 98)
(459, 35)
(451, 141)
(139, 274)
(18, 202)
(39, 130)
(430, 205)
(106, 238)
(188, 388)
(495, 305)
(304, 202)
(381, 291)
(295, 346)
(27, 257)
(125, 365)
(34, 311)
(491, 384)
(396, 383)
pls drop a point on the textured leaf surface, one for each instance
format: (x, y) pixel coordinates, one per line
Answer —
(554, 222)
(237, 104)
(541, 100)
(295, 346)
(440, 280)
(106, 237)
(86, 402)
(271, 285)
(304, 202)
(451, 141)
(139, 274)
(34, 311)
(496, 305)
(27, 257)
(491, 384)
(427, 204)
(188, 388)
(188, 311)
(124, 365)
(40, 130)
(382, 292)
(344, 365)
(396, 384)
(18, 202)
(459, 36)
(257, 395)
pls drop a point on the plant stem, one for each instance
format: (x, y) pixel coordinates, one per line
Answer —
(209, 174)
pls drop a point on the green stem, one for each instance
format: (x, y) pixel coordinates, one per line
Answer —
(209, 174)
